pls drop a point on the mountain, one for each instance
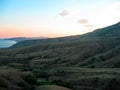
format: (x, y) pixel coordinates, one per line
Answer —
(17, 39)
(20, 39)
(112, 31)
(95, 49)
(82, 62)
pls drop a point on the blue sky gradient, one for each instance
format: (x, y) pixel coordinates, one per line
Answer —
(55, 18)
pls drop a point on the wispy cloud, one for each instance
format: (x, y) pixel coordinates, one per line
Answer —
(64, 13)
(83, 21)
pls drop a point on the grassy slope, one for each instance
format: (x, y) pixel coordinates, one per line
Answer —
(51, 87)
(67, 61)
(11, 79)
(93, 49)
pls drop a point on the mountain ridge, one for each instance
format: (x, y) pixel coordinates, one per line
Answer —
(83, 62)
(106, 32)
(20, 39)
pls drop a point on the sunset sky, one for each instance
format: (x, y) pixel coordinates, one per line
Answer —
(55, 18)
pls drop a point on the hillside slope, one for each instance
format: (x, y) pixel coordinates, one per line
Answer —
(112, 31)
(83, 62)
(82, 50)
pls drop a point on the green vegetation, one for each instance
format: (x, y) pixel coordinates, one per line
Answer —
(84, 62)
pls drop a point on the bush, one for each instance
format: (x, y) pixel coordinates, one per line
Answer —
(40, 73)
(30, 78)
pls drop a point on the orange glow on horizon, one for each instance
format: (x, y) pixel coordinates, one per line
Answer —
(11, 32)
(41, 18)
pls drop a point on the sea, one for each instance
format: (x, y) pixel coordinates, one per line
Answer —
(6, 43)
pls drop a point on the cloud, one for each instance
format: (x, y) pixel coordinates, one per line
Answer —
(83, 21)
(64, 13)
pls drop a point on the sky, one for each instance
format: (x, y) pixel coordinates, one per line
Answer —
(55, 18)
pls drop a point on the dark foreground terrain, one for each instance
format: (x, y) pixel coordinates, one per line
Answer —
(83, 62)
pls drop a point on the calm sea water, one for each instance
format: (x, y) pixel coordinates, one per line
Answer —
(6, 43)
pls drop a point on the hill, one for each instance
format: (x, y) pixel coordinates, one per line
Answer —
(83, 62)
(20, 39)
(93, 49)
(51, 87)
(112, 31)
